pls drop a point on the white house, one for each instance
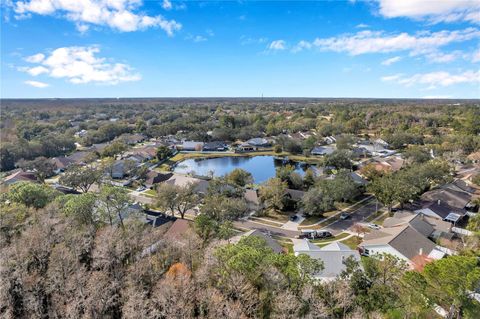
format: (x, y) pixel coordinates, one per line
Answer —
(333, 257)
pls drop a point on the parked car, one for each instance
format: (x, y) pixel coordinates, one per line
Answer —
(323, 234)
(293, 218)
(344, 216)
(373, 226)
(315, 234)
(141, 189)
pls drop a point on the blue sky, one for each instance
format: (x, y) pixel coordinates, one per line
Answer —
(130, 48)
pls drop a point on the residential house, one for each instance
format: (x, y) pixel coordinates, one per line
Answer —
(118, 170)
(99, 148)
(20, 176)
(131, 139)
(404, 242)
(323, 150)
(272, 243)
(192, 146)
(333, 257)
(182, 181)
(217, 146)
(61, 163)
(454, 198)
(154, 178)
(254, 144)
(178, 230)
(358, 179)
(80, 157)
(390, 164)
(81, 133)
(330, 140)
(156, 219)
(426, 225)
(442, 210)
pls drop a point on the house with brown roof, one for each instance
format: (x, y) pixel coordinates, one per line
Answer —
(61, 163)
(428, 226)
(154, 178)
(20, 176)
(403, 241)
(178, 230)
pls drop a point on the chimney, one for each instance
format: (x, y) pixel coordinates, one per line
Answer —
(420, 251)
(438, 202)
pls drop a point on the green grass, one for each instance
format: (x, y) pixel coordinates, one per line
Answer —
(265, 222)
(352, 242)
(331, 239)
(287, 246)
(150, 192)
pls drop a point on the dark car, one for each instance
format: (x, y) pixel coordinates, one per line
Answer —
(344, 216)
(323, 234)
(293, 218)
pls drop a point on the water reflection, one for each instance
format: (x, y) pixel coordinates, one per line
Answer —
(261, 167)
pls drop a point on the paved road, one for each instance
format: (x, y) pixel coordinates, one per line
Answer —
(273, 230)
(357, 216)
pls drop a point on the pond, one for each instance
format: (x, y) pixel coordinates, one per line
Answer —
(261, 167)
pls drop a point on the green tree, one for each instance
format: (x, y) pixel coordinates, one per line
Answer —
(163, 152)
(186, 199)
(239, 177)
(81, 177)
(339, 159)
(41, 166)
(315, 202)
(222, 208)
(81, 208)
(166, 197)
(113, 149)
(451, 282)
(31, 194)
(272, 193)
(113, 202)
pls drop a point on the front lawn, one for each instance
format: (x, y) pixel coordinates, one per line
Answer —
(352, 242)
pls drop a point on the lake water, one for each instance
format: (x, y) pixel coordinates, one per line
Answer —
(261, 167)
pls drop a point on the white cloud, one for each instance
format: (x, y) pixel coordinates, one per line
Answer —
(167, 4)
(116, 14)
(391, 60)
(81, 65)
(37, 84)
(433, 11)
(244, 40)
(277, 45)
(378, 42)
(476, 56)
(389, 78)
(434, 79)
(301, 46)
(198, 38)
(36, 58)
(361, 26)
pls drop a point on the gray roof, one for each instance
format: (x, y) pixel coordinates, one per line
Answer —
(457, 199)
(192, 145)
(272, 243)
(258, 141)
(405, 239)
(332, 256)
(322, 150)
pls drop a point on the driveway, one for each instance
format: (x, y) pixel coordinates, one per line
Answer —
(293, 225)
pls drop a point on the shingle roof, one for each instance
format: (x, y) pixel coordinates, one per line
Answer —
(272, 243)
(405, 239)
(453, 198)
